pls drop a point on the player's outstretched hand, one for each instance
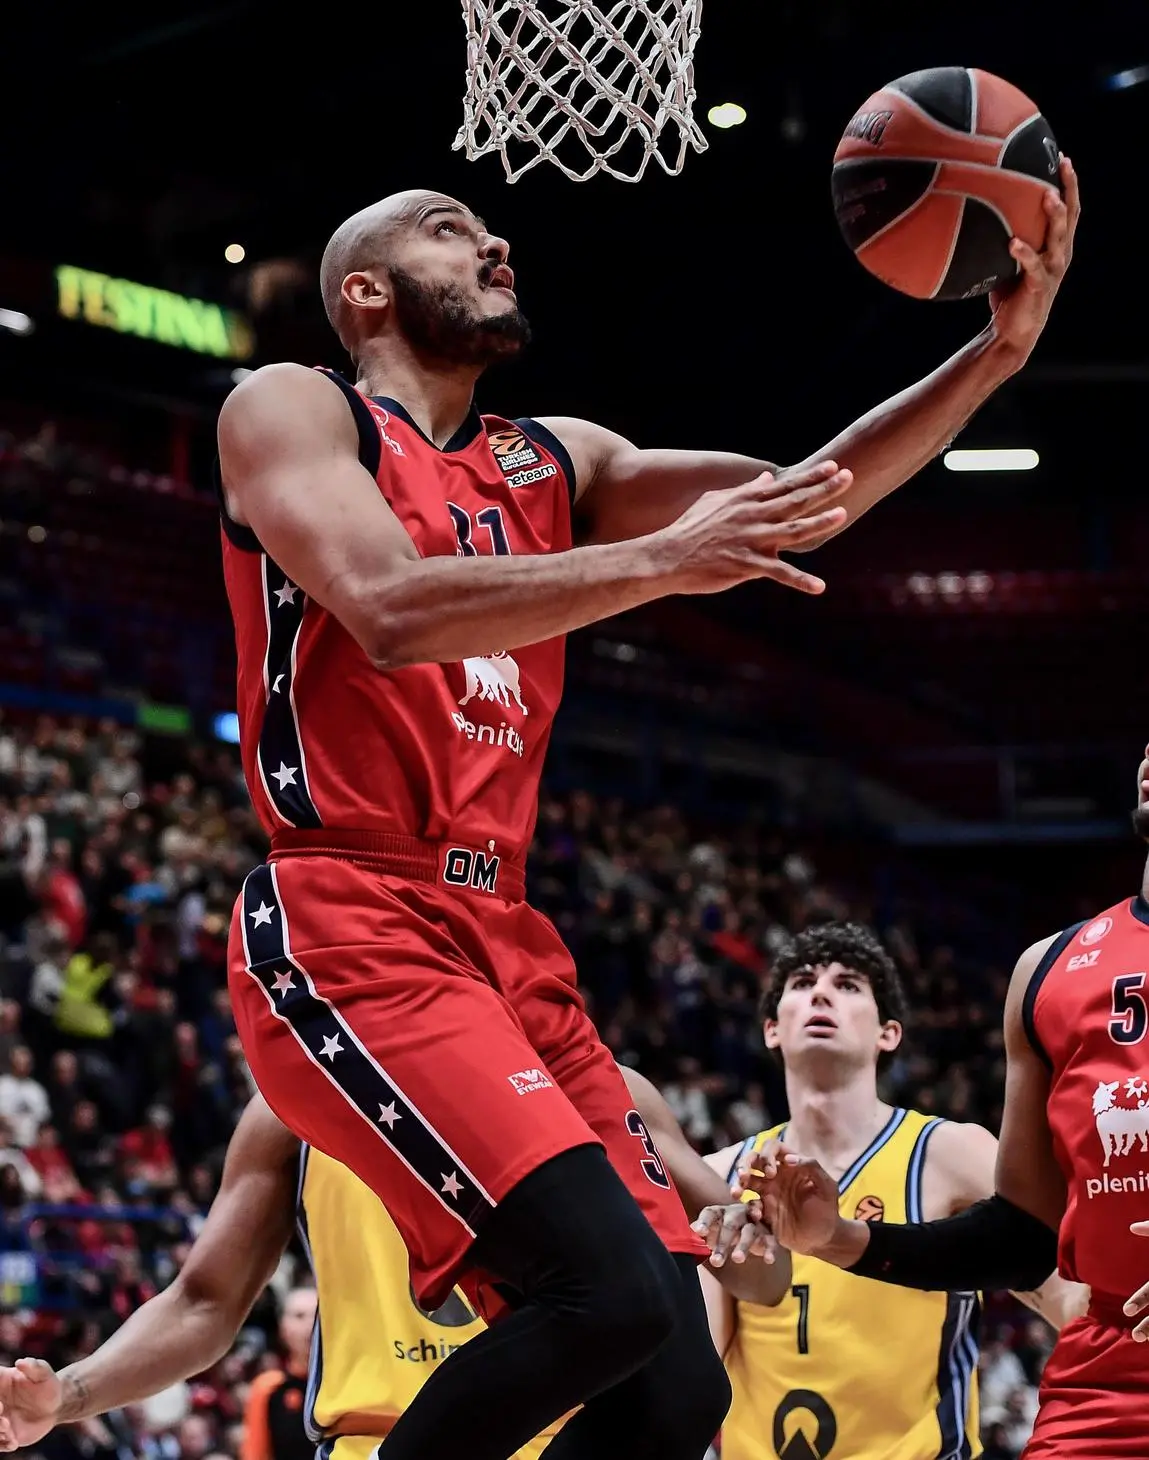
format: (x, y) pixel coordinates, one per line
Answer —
(735, 1232)
(1019, 313)
(732, 535)
(1140, 1299)
(799, 1198)
(30, 1395)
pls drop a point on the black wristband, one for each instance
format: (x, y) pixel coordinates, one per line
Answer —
(992, 1244)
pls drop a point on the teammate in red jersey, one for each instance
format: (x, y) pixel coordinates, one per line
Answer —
(402, 572)
(1073, 1158)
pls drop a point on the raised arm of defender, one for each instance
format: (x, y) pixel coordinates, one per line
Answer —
(290, 467)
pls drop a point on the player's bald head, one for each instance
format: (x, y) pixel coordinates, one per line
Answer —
(364, 241)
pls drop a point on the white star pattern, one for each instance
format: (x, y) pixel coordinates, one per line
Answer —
(285, 775)
(275, 686)
(286, 595)
(283, 981)
(331, 1047)
(261, 917)
(388, 1115)
(451, 1184)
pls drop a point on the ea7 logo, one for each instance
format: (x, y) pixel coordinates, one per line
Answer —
(1083, 960)
(525, 1082)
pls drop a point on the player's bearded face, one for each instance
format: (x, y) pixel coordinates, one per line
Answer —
(447, 322)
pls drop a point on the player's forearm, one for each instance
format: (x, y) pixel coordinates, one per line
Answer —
(891, 443)
(755, 1281)
(992, 1244)
(170, 1338)
(439, 610)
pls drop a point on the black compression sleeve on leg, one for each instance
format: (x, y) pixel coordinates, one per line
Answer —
(992, 1244)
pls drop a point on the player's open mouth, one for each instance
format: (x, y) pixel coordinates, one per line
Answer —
(501, 278)
(821, 1024)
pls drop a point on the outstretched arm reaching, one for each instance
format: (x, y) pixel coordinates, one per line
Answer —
(627, 491)
(191, 1324)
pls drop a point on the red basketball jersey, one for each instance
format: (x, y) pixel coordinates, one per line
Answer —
(435, 751)
(1087, 1014)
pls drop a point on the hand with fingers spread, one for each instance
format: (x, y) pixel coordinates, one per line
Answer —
(1020, 313)
(31, 1396)
(799, 1199)
(735, 1232)
(731, 535)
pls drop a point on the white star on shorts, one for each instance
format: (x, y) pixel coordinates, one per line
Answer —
(451, 1184)
(283, 982)
(331, 1047)
(388, 1115)
(261, 917)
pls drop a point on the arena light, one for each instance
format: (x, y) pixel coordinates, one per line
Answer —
(235, 253)
(92, 298)
(226, 728)
(15, 323)
(1002, 458)
(1122, 80)
(729, 114)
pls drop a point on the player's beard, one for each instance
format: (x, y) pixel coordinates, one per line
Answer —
(439, 320)
(1140, 819)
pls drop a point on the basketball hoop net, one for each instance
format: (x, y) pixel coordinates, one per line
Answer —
(588, 87)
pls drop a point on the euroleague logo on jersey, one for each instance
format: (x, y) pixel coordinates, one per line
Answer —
(511, 450)
(870, 1209)
(1096, 931)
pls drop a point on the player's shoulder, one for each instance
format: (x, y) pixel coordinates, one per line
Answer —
(284, 397)
(959, 1166)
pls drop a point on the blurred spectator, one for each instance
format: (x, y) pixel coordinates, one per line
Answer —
(23, 1100)
(273, 1419)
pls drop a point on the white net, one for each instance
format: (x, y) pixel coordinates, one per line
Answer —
(588, 87)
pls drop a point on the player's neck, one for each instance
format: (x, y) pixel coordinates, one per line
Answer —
(437, 397)
(834, 1118)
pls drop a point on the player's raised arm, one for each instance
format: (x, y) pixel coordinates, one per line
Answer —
(192, 1323)
(289, 462)
(627, 491)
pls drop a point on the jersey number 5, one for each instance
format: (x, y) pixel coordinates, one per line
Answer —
(1129, 1017)
(492, 519)
(652, 1167)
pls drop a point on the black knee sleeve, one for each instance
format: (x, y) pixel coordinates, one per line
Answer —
(572, 1239)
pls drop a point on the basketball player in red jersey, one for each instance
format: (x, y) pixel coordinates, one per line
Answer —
(402, 572)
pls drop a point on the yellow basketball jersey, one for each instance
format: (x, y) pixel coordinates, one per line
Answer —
(845, 1368)
(373, 1347)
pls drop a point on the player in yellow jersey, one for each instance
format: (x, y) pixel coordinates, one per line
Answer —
(373, 1348)
(843, 1368)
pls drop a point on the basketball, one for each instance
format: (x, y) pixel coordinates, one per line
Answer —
(934, 175)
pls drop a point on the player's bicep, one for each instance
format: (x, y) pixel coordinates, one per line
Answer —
(251, 1218)
(625, 491)
(289, 459)
(1027, 1172)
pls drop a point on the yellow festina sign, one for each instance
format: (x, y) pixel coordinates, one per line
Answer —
(152, 314)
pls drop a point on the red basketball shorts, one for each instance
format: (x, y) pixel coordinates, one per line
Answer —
(1094, 1392)
(430, 1037)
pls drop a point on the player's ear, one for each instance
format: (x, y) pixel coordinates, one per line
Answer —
(363, 291)
(890, 1036)
(770, 1034)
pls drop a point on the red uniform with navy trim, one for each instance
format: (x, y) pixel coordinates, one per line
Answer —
(402, 1008)
(1087, 1014)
